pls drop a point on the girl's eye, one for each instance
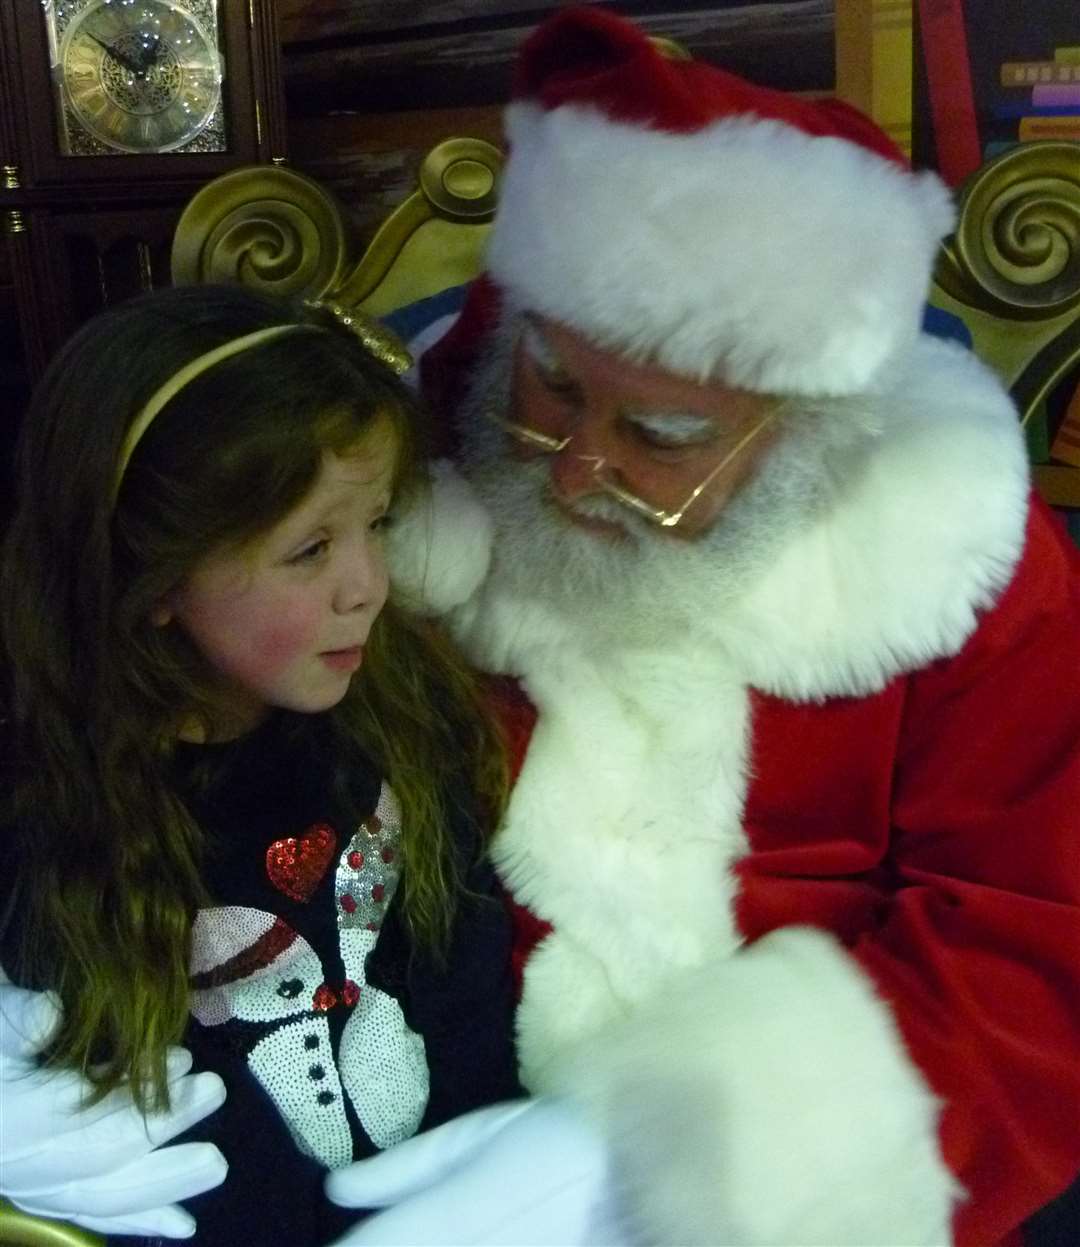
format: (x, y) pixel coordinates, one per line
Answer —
(381, 522)
(311, 553)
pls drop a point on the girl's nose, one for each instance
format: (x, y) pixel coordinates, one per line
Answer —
(362, 583)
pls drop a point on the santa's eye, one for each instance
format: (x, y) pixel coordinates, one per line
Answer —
(289, 989)
(669, 431)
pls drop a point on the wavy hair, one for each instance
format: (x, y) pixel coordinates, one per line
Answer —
(107, 858)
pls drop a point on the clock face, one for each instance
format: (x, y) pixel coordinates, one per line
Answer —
(139, 75)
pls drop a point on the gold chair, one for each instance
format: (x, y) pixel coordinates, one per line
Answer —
(1011, 271)
(281, 232)
(18, 1229)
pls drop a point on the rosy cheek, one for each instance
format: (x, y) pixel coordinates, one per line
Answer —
(274, 643)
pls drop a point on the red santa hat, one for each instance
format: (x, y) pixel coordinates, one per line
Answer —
(678, 214)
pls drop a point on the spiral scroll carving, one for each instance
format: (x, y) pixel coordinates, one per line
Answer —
(459, 178)
(1016, 251)
(266, 227)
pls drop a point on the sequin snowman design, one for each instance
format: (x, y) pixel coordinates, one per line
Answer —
(249, 965)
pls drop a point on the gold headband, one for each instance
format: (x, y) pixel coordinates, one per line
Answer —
(176, 383)
(379, 342)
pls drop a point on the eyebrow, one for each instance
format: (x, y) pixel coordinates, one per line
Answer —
(346, 500)
(678, 426)
(341, 502)
(539, 348)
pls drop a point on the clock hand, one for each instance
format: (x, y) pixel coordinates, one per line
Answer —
(116, 54)
(149, 54)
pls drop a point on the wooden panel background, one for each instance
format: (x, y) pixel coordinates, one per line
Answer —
(371, 85)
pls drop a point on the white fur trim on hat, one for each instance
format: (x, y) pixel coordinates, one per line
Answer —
(747, 250)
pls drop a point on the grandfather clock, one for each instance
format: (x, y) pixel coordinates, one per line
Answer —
(112, 114)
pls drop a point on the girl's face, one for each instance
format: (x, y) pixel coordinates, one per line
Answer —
(284, 620)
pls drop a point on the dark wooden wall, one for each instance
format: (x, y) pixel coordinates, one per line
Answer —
(372, 56)
(371, 85)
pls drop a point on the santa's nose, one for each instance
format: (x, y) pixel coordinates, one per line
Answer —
(575, 470)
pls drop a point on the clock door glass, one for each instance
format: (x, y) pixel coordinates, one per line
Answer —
(138, 76)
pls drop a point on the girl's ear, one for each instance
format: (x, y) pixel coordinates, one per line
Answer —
(163, 612)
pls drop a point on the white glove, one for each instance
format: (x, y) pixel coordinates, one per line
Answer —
(529, 1172)
(97, 1166)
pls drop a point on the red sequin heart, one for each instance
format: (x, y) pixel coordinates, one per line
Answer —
(296, 864)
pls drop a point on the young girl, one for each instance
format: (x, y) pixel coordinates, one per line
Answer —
(249, 794)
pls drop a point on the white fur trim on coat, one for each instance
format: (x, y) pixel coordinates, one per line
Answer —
(922, 533)
(622, 830)
(766, 1099)
(439, 546)
(747, 250)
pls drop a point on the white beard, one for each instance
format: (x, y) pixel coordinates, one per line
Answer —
(646, 584)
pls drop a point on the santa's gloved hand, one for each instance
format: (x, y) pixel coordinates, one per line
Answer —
(527, 1172)
(101, 1167)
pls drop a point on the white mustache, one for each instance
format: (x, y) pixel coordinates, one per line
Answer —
(594, 507)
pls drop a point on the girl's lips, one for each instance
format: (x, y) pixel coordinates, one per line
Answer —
(343, 659)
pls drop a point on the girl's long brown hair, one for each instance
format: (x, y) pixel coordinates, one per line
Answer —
(107, 858)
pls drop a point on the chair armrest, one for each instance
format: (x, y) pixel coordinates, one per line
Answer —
(19, 1229)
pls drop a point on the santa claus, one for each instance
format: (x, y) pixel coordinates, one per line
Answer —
(794, 838)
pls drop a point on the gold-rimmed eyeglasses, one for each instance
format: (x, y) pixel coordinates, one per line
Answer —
(607, 479)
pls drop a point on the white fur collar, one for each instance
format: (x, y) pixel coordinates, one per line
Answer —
(917, 537)
(926, 533)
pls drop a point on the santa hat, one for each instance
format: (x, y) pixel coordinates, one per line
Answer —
(678, 214)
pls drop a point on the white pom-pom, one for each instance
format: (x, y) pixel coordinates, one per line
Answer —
(439, 548)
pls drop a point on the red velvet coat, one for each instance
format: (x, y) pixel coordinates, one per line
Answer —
(942, 846)
(898, 706)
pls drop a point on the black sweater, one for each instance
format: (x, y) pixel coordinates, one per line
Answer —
(334, 1035)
